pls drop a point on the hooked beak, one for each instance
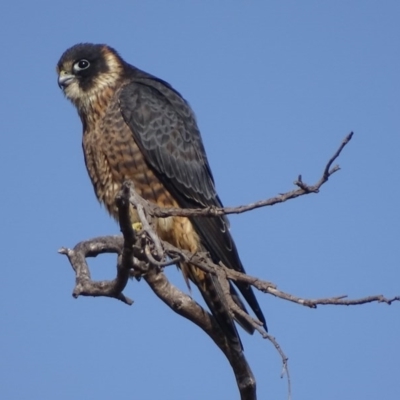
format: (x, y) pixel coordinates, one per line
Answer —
(64, 80)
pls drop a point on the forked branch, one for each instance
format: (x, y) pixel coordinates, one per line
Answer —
(144, 254)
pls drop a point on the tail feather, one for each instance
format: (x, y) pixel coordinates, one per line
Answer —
(239, 319)
(218, 241)
(212, 293)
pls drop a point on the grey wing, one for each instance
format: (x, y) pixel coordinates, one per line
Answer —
(166, 131)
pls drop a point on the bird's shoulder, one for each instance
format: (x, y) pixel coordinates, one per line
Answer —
(165, 128)
(154, 92)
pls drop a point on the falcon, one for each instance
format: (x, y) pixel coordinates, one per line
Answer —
(138, 127)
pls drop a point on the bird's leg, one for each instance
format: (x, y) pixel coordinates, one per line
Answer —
(135, 220)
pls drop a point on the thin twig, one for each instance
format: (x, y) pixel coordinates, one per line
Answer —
(285, 359)
(303, 189)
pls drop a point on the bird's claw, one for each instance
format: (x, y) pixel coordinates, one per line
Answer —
(137, 226)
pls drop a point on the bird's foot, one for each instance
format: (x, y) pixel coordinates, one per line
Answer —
(137, 226)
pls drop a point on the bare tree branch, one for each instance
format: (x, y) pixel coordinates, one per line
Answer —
(185, 306)
(303, 189)
(268, 287)
(142, 253)
(84, 286)
(178, 301)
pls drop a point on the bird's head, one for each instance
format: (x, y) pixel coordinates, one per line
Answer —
(86, 70)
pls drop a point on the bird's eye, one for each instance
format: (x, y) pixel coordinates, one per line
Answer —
(81, 65)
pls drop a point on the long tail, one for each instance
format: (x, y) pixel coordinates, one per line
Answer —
(217, 240)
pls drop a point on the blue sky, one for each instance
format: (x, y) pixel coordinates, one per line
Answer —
(275, 86)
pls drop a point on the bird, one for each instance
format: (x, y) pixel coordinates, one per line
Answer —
(137, 127)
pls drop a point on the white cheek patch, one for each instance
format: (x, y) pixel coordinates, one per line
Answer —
(85, 100)
(73, 92)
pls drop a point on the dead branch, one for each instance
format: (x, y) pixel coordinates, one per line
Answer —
(268, 287)
(185, 306)
(142, 253)
(302, 190)
(84, 286)
(178, 301)
(133, 256)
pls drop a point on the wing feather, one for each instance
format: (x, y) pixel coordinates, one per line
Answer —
(166, 131)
